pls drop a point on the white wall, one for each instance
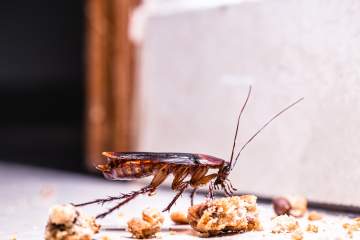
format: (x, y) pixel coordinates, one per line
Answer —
(194, 71)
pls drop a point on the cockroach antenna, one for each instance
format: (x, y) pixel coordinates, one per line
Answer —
(258, 131)
(237, 125)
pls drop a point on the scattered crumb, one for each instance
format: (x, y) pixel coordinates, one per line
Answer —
(314, 216)
(281, 206)
(67, 223)
(312, 228)
(298, 206)
(179, 217)
(105, 238)
(148, 226)
(294, 206)
(120, 215)
(13, 237)
(232, 214)
(284, 224)
(352, 227)
(297, 235)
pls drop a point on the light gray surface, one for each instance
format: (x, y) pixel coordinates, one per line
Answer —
(195, 67)
(27, 193)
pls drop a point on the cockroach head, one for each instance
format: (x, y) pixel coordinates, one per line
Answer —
(222, 181)
(223, 173)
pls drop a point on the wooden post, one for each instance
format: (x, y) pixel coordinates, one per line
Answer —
(110, 77)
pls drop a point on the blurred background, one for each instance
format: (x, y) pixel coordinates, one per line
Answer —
(42, 83)
(81, 77)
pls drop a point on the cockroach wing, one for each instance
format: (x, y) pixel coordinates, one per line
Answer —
(156, 157)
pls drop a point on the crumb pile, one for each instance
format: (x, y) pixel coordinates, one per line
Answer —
(233, 214)
(148, 226)
(67, 223)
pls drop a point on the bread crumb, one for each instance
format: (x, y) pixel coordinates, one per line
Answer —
(297, 235)
(314, 216)
(284, 224)
(352, 227)
(148, 226)
(298, 206)
(312, 228)
(67, 223)
(232, 214)
(13, 237)
(105, 238)
(179, 217)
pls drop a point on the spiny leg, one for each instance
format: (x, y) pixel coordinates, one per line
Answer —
(157, 180)
(101, 201)
(192, 195)
(181, 190)
(211, 190)
(226, 191)
(129, 197)
(231, 186)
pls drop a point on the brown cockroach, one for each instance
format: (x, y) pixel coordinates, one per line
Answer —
(189, 169)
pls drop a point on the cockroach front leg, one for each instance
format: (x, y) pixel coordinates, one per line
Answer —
(192, 195)
(210, 194)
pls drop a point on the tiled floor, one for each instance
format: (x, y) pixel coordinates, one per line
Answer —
(27, 193)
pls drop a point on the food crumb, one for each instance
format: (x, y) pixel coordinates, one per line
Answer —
(314, 216)
(284, 224)
(312, 228)
(232, 214)
(281, 206)
(352, 227)
(179, 217)
(297, 235)
(298, 206)
(105, 238)
(148, 226)
(68, 223)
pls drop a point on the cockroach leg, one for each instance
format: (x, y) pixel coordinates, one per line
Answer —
(100, 201)
(192, 195)
(211, 190)
(128, 197)
(225, 190)
(231, 186)
(181, 190)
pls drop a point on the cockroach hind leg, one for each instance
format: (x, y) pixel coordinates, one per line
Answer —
(128, 197)
(181, 190)
(101, 201)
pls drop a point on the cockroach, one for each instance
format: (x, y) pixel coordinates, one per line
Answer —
(190, 170)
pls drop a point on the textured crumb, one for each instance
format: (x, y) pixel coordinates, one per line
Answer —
(281, 205)
(298, 206)
(148, 226)
(291, 205)
(314, 216)
(297, 235)
(179, 217)
(312, 228)
(232, 214)
(352, 227)
(284, 224)
(67, 223)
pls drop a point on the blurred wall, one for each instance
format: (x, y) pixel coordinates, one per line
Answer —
(41, 82)
(195, 67)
